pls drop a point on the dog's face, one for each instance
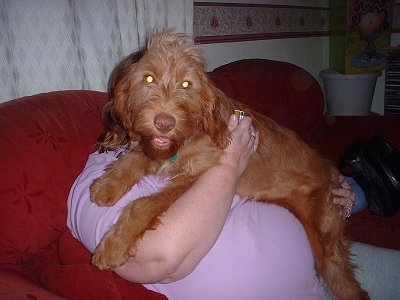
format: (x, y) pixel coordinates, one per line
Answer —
(166, 97)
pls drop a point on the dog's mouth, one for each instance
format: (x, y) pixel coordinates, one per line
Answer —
(159, 147)
(161, 141)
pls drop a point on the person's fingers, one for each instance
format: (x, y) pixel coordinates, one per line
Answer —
(256, 140)
(343, 192)
(345, 185)
(341, 178)
(233, 122)
(346, 205)
(344, 197)
(342, 201)
(346, 193)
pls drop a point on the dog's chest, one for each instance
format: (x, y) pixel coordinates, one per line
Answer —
(171, 168)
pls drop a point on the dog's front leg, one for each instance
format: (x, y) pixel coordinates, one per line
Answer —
(137, 217)
(120, 176)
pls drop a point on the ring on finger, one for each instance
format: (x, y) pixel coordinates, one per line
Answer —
(347, 212)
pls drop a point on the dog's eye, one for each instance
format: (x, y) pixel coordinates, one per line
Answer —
(185, 84)
(149, 79)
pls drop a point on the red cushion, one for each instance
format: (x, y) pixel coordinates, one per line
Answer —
(45, 142)
(65, 269)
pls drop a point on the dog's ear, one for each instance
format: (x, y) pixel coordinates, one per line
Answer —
(119, 90)
(216, 114)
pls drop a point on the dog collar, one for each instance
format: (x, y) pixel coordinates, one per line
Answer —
(174, 158)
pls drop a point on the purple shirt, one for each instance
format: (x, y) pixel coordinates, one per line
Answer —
(261, 253)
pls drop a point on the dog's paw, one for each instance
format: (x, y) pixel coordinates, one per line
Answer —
(103, 260)
(103, 193)
(109, 254)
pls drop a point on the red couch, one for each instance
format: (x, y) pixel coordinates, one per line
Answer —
(45, 141)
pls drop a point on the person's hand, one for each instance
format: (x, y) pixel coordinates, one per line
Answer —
(244, 142)
(344, 196)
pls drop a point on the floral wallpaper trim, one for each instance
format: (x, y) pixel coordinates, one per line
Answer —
(228, 22)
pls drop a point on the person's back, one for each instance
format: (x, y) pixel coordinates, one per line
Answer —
(261, 253)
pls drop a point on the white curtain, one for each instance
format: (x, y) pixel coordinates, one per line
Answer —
(48, 45)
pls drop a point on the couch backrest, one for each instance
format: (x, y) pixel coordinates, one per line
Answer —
(45, 140)
(282, 91)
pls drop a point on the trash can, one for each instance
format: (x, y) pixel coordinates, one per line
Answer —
(349, 94)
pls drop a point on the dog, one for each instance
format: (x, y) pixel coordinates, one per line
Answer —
(163, 99)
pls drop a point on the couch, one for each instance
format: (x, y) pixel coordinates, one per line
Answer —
(45, 141)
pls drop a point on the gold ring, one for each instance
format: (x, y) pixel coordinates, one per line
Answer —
(239, 113)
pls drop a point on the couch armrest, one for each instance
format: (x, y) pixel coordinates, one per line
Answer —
(334, 134)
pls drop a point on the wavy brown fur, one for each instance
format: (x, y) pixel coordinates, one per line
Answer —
(284, 170)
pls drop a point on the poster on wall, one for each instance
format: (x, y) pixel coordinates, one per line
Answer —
(368, 29)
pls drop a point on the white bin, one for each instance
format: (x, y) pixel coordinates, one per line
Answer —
(349, 94)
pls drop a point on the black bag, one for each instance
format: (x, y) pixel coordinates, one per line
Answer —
(375, 166)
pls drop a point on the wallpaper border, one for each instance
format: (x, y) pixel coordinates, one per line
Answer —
(232, 22)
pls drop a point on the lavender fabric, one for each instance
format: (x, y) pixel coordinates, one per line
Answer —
(261, 253)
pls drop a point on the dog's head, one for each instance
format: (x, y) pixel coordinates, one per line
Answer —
(164, 97)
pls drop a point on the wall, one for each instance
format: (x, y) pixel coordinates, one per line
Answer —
(308, 48)
(280, 43)
(308, 53)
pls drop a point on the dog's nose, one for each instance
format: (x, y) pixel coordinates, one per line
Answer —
(164, 122)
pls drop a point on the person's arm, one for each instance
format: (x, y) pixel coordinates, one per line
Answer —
(193, 223)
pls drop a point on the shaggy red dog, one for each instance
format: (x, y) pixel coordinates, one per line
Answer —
(163, 98)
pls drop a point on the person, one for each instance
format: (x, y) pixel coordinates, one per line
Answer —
(210, 239)
(212, 244)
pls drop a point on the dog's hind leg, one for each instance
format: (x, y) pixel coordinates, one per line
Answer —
(323, 225)
(335, 265)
